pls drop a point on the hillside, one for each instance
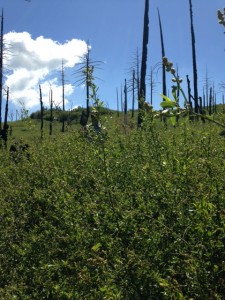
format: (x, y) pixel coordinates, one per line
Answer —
(126, 214)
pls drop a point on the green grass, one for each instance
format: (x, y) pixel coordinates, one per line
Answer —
(139, 215)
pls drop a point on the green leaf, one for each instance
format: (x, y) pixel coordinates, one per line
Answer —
(174, 92)
(173, 120)
(165, 98)
(168, 104)
(96, 247)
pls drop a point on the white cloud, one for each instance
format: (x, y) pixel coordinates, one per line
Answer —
(34, 61)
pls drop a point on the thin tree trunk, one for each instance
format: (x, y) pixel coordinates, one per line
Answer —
(189, 91)
(5, 125)
(213, 98)
(63, 97)
(125, 101)
(151, 86)
(203, 98)
(87, 83)
(138, 76)
(195, 74)
(163, 55)
(223, 104)
(210, 101)
(143, 63)
(121, 97)
(133, 92)
(117, 101)
(42, 111)
(51, 114)
(215, 104)
(1, 68)
(207, 90)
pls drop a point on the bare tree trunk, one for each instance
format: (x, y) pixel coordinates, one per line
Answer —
(215, 104)
(117, 101)
(51, 115)
(151, 86)
(143, 63)
(189, 91)
(87, 82)
(223, 104)
(1, 68)
(125, 101)
(203, 98)
(138, 75)
(4, 131)
(195, 74)
(133, 92)
(42, 112)
(207, 90)
(210, 101)
(121, 97)
(63, 97)
(163, 55)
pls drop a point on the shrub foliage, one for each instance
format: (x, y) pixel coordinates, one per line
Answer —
(139, 215)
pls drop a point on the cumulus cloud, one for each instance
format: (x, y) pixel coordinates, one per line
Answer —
(31, 62)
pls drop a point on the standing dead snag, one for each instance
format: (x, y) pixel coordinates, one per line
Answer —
(63, 97)
(142, 92)
(51, 114)
(86, 74)
(125, 102)
(83, 122)
(195, 74)
(163, 55)
(42, 112)
(4, 131)
(1, 68)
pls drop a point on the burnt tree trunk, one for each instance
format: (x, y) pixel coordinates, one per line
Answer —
(210, 101)
(194, 63)
(4, 131)
(42, 112)
(1, 68)
(133, 92)
(163, 55)
(51, 114)
(143, 63)
(117, 101)
(63, 98)
(125, 101)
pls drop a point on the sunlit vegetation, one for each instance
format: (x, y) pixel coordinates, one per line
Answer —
(125, 205)
(136, 214)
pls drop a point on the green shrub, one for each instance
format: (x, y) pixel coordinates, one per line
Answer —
(137, 216)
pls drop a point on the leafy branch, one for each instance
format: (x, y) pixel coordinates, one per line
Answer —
(172, 109)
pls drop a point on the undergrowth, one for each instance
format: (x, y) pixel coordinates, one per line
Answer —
(137, 215)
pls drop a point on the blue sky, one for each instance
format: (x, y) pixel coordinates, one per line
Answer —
(40, 32)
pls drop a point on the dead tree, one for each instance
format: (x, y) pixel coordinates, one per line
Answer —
(85, 72)
(117, 101)
(143, 64)
(194, 63)
(42, 111)
(51, 114)
(63, 96)
(4, 130)
(164, 91)
(125, 102)
(1, 68)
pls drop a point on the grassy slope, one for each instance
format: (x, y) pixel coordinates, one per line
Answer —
(137, 216)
